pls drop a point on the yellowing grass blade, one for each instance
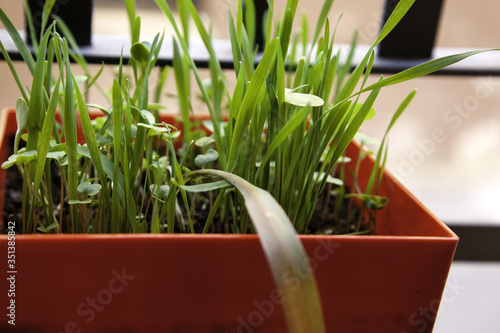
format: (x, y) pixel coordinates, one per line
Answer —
(283, 249)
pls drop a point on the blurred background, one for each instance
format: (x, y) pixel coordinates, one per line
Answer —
(445, 148)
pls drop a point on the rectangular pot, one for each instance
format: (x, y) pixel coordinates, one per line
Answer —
(389, 282)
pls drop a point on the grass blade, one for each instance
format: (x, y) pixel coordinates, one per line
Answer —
(354, 125)
(185, 48)
(37, 100)
(252, 95)
(116, 209)
(321, 19)
(423, 69)
(184, 16)
(250, 22)
(179, 179)
(90, 139)
(283, 134)
(131, 14)
(47, 9)
(373, 176)
(180, 74)
(397, 14)
(235, 46)
(43, 146)
(69, 127)
(284, 251)
(31, 25)
(204, 187)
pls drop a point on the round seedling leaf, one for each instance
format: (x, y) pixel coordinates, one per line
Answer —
(80, 202)
(204, 141)
(103, 140)
(300, 99)
(329, 179)
(88, 189)
(210, 156)
(159, 191)
(21, 114)
(200, 161)
(47, 229)
(148, 116)
(140, 52)
(154, 130)
(22, 122)
(59, 156)
(22, 158)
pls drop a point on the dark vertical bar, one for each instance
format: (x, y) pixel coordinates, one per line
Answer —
(76, 14)
(477, 243)
(261, 8)
(413, 37)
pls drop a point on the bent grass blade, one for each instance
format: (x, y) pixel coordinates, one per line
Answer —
(283, 250)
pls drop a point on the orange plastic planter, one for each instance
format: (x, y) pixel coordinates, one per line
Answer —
(391, 282)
